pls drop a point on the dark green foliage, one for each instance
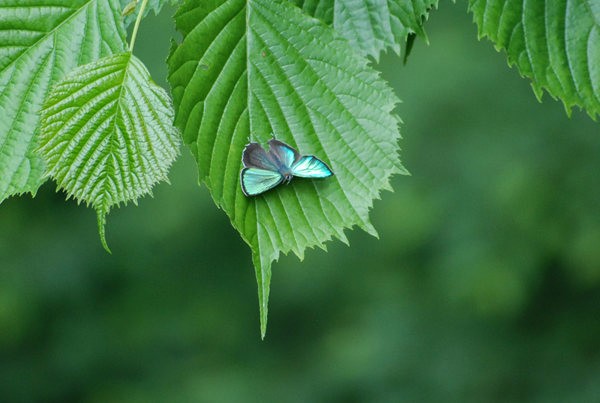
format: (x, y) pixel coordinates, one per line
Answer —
(483, 287)
(556, 43)
(242, 71)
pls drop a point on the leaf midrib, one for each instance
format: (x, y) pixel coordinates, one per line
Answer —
(117, 110)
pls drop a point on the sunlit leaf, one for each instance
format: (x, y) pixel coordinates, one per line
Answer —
(556, 43)
(40, 41)
(107, 133)
(247, 71)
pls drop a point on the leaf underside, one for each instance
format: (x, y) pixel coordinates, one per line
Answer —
(42, 40)
(555, 43)
(107, 134)
(372, 26)
(246, 71)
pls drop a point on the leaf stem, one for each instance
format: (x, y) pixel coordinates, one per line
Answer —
(137, 24)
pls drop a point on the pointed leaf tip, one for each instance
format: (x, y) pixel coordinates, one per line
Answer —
(263, 280)
(101, 217)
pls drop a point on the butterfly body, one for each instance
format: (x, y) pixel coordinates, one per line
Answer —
(286, 173)
(264, 170)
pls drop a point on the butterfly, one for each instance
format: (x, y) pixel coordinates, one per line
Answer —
(263, 170)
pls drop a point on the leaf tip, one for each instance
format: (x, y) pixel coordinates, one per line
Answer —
(264, 313)
(370, 229)
(262, 267)
(403, 171)
(343, 238)
(263, 329)
(538, 91)
(101, 216)
(569, 111)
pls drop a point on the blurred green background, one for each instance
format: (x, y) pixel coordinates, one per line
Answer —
(484, 285)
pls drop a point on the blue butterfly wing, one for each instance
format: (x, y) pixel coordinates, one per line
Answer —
(310, 166)
(254, 156)
(284, 154)
(256, 181)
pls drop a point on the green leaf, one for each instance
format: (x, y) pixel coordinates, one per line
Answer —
(153, 5)
(555, 43)
(129, 8)
(321, 9)
(40, 41)
(372, 26)
(107, 133)
(246, 71)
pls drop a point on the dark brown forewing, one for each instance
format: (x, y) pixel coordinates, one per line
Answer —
(283, 154)
(254, 156)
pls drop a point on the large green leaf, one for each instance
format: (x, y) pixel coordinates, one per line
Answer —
(246, 71)
(556, 43)
(40, 41)
(372, 26)
(107, 133)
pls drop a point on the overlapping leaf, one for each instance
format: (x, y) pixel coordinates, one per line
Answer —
(153, 5)
(556, 43)
(246, 71)
(372, 26)
(107, 133)
(40, 41)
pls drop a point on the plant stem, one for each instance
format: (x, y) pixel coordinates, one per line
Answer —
(137, 24)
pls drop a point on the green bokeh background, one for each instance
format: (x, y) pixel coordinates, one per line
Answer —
(484, 285)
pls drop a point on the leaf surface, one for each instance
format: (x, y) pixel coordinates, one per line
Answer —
(372, 26)
(555, 43)
(41, 41)
(107, 133)
(247, 71)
